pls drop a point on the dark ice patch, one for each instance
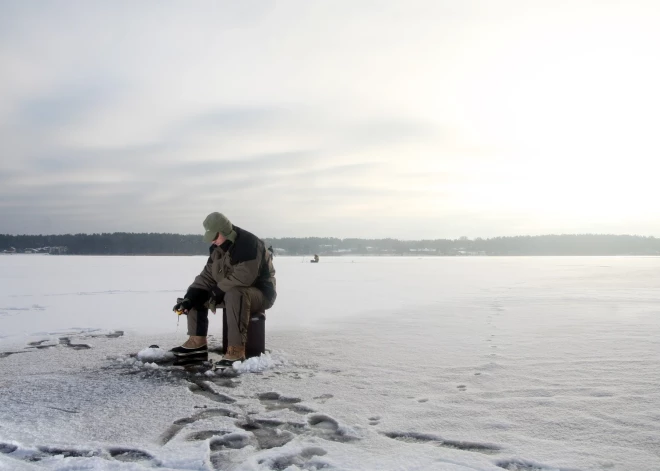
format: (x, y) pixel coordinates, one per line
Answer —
(129, 454)
(40, 344)
(300, 409)
(415, 437)
(6, 354)
(112, 335)
(66, 341)
(275, 396)
(224, 382)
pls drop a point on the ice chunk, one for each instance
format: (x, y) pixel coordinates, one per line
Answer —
(154, 354)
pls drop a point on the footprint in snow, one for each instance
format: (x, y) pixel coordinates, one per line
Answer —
(205, 389)
(524, 465)
(294, 427)
(7, 448)
(233, 441)
(299, 460)
(273, 433)
(180, 424)
(374, 420)
(323, 398)
(269, 434)
(275, 401)
(262, 434)
(130, 455)
(326, 427)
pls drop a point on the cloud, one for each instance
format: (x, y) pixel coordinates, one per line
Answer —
(172, 176)
(392, 118)
(64, 106)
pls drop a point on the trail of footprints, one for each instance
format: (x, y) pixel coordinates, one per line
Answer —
(268, 433)
(260, 433)
(497, 310)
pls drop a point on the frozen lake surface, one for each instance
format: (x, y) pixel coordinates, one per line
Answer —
(477, 363)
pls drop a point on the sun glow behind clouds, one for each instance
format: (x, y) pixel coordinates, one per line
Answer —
(570, 108)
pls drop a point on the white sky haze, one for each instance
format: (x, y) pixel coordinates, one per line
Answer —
(350, 119)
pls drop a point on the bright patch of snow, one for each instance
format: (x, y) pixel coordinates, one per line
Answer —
(154, 354)
(261, 363)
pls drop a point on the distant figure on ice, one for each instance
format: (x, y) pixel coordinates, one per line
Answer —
(239, 276)
(316, 259)
(270, 249)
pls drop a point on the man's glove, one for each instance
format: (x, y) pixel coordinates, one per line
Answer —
(182, 305)
(195, 297)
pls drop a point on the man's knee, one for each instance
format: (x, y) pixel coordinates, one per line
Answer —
(234, 295)
(246, 296)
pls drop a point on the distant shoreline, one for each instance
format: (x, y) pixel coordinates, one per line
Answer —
(348, 255)
(120, 243)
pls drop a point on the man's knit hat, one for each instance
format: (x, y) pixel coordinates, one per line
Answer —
(216, 223)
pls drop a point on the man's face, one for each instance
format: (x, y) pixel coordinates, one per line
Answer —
(219, 240)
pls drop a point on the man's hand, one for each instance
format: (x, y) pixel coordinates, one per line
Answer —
(194, 297)
(182, 305)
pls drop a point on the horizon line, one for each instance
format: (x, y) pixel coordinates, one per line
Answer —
(346, 238)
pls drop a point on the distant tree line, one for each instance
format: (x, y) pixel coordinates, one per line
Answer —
(117, 243)
(122, 243)
(580, 244)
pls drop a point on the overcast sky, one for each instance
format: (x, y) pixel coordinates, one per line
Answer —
(404, 119)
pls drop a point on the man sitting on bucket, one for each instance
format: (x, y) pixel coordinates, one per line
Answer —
(238, 275)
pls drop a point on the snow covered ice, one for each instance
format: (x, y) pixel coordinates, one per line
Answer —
(476, 363)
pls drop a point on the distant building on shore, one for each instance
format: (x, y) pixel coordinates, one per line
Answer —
(59, 250)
